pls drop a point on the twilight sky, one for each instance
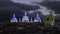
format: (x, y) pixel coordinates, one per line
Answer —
(27, 1)
(7, 8)
(44, 11)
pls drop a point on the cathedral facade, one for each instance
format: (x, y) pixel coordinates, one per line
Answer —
(25, 18)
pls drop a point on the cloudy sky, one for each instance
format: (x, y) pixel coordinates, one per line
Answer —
(44, 11)
(26, 1)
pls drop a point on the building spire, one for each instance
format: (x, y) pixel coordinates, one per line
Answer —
(37, 15)
(25, 13)
(31, 20)
(14, 15)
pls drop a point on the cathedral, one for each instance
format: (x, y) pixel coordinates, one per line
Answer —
(25, 18)
(48, 19)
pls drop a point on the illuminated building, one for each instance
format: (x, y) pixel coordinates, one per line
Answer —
(13, 19)
(25, 18)
(49, 19)
(37, 18)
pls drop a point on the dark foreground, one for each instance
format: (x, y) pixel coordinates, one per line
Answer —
(28, 28)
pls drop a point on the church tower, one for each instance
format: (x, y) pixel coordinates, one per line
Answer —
(37, 18)
(14, 19)
(25, 18)
(19, 19)
(49, 19)
(31, 20)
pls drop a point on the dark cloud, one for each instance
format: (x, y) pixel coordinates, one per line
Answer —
(54, 5)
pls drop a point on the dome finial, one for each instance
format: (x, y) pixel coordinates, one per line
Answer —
(37, 14)
(14, 15)
(25, 13)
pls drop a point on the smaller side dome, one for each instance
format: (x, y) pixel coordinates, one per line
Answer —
(37, 18)
(14, 19)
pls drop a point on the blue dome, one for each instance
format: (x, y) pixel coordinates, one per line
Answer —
(37, 17)
(25, 16)
(13, 18)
